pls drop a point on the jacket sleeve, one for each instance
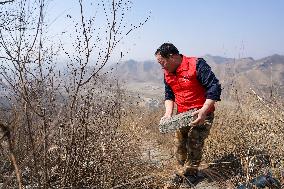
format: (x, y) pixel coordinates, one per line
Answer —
(169, 94)
(208, 79)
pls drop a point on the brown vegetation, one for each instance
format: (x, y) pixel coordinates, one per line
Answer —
(80, 129)
(246, 141)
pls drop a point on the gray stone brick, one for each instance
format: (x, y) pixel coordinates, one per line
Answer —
(168, 125)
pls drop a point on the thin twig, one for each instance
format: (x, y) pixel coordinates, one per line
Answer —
(4, 2)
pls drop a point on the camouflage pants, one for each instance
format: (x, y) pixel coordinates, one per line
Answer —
(189, 143)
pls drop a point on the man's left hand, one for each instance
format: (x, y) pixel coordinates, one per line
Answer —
(201, 115)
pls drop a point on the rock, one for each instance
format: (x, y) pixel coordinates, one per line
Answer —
(171, 124)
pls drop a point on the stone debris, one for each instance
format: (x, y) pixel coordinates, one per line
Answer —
(168, 125)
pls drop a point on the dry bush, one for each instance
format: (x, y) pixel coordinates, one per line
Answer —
(65, 127)
(98, 151)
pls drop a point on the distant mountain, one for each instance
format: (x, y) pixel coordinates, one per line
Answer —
(218, 59)
(133, 71)
(276, 58)
(258, 74)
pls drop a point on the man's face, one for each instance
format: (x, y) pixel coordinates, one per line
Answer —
(166, 63)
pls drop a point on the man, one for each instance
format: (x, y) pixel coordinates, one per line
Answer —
(192, 86)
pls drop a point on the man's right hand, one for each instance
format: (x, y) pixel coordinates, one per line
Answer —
(165, 117)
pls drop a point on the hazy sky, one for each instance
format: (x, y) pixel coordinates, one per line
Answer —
(230, 28)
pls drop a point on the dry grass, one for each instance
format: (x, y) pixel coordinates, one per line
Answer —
(246, 141)
(113, 143)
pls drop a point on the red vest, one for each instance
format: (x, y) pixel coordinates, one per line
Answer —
(189, 93)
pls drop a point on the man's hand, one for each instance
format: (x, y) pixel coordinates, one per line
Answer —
(202, 112)
(169, 105)
(201, 115)
(165, 117)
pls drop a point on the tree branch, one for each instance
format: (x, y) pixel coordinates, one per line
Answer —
(4, 2)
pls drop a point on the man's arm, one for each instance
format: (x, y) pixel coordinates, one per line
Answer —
(213, 90)
(202, 112)
(208, 80)
(169, 105)
(169, 100)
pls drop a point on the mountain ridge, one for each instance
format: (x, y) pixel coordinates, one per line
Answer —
(261, 73)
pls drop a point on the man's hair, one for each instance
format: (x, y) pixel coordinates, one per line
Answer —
(167, 49)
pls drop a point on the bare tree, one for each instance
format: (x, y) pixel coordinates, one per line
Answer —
(66, 125)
